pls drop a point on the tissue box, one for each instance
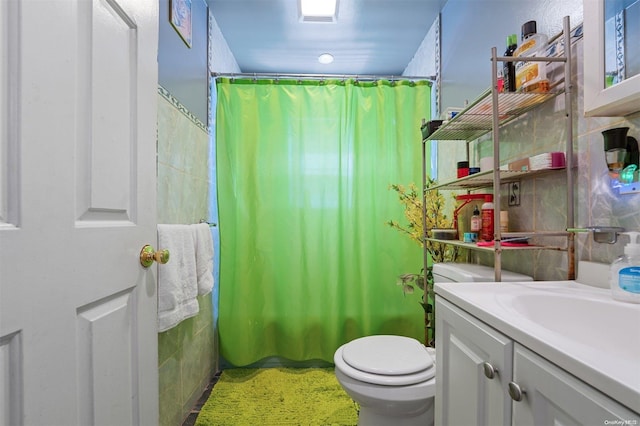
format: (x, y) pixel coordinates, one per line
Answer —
(547, 160)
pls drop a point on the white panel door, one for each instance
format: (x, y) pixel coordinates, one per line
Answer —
(78, 82)
(465, 393)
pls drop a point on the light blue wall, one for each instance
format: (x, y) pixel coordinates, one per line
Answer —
(183, 70)
(222, 61)
(470, 28)
(187, 353)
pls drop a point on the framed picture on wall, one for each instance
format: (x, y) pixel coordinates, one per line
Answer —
(180, 16)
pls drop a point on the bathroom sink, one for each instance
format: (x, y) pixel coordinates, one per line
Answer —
(579, 328)
(582, 318)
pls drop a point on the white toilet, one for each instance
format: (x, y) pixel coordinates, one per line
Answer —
(392, 378)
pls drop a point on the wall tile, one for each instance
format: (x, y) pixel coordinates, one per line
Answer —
(170, 392)
(187, 355)
(543, 200)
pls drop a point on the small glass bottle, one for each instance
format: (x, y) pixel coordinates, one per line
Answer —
(476, 221)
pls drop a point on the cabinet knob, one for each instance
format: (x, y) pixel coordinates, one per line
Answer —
(489, 370)
(516, 392)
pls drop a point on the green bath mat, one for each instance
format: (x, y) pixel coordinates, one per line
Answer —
(278, 396)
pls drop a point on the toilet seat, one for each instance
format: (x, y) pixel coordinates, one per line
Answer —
(385, 360)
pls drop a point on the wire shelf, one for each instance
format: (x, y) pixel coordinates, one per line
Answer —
(477, 118)
(485, 179)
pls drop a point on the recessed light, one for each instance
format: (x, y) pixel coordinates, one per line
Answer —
(318, 10)
(325, 58)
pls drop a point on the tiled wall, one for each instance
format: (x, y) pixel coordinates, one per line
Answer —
(187, 353)
(543, 200)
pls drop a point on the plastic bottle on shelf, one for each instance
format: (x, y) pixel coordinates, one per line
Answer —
(509, 69)
(500, 80)
(625, 272)
(531, 76)
(476, 221)
(486, 233)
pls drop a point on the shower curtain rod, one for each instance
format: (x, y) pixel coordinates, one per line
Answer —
(322, 76)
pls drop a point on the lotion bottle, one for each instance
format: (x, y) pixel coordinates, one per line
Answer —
(625, 272)
(487, 218)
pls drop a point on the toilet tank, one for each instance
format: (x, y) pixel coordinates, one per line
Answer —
(448, 272)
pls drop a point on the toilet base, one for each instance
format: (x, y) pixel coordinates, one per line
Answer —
(369, 416)
(404, 406)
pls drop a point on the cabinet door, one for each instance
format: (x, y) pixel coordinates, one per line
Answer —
(464, 393)
(554, 397)
(611, 57)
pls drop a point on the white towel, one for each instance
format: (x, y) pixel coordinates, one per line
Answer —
(177, 280)
(204, 257)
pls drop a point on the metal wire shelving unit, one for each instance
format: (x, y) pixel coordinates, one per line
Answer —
(488, 113)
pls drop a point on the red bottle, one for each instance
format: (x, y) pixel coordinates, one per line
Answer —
(486, 233)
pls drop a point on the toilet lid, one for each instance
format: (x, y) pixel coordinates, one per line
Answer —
(387, 355)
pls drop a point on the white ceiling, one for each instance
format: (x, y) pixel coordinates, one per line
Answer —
(370, 37)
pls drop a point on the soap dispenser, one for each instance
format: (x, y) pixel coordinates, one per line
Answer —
(625, 272)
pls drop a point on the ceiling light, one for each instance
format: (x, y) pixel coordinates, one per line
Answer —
(318, 10)
(325, 58)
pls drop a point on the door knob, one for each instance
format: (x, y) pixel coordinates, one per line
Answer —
(148, 254)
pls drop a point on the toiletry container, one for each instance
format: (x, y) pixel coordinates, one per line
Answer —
(509, 69)
(625, 272)
(531, 76)
(463, 214)
(486, 233)
(486, 164)
(476, 220)
(504, 221)
(463, 169)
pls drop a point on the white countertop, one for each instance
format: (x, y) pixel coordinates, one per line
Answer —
(577, 327)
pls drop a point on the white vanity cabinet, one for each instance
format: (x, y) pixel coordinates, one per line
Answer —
(486, 378)
(466, 394)
(554, 397)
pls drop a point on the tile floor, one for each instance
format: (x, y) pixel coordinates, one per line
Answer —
(193, 415)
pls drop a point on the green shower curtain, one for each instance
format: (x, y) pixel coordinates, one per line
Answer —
(304, 168)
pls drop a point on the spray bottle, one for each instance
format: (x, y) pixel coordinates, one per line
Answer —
(625, 272)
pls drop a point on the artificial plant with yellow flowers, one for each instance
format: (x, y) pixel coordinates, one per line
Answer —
(435, 217)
